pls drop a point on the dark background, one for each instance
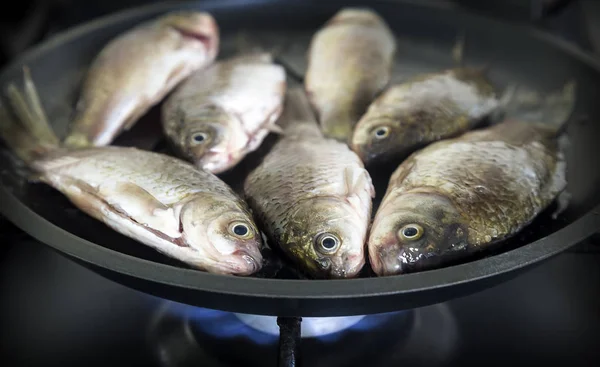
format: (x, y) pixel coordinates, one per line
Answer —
(54, 312)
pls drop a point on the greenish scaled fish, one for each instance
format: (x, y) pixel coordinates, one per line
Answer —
(157, 200)
(312, 196)
(462, 195)
(422, 110)
(350, 61)
(222, 113)
(136, 70)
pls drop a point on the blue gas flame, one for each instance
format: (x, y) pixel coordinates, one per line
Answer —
(369, 322)
(226, 325)
(223, 325)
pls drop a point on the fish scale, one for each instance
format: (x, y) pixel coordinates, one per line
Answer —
(424, 109)
(467, 193)
(136, 70)
(234, 103)
(469, 165)
(167, 180)
(349, 61)
(306, 186)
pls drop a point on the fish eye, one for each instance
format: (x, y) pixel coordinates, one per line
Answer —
(381, 132)
(411, 232)
(240, 229)
(199, 138)
(327, 243)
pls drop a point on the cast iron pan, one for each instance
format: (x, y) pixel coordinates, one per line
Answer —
(427, 34)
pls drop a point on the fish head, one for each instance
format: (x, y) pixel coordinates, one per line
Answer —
(196, 29)
(388, 138)
(223, 233)
(326, 237)
(212, 140)
(356, 15)
(416, 231)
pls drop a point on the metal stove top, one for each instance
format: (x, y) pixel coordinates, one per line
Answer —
(54, 312)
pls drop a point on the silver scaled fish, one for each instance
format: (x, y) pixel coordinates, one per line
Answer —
(312, 196)
(422, 110)
(136, 70)
(462, 195)
(222, 113)
(349, 62)
(158, 200)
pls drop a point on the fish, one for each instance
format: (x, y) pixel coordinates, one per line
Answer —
(312, 196)
(224, 112)
(134, 71)
(160, 201)
(350, 61)
(424, 109)
(460, 196)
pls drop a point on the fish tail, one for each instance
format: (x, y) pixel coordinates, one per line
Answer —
(254, 48)
(245, 44)
(553, 109)
(24, 126)
(560, 106)
(297, 114)
(275, 52)
(458, 56)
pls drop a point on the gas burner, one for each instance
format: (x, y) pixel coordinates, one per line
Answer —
(311, 326)
(189, 336)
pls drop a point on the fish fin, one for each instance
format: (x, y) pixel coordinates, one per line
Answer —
(553, 109)
(141, 206)
(255, 47)
(560, 105)
(23, 124)
(562, 202)
(35, 177)
(81, 194)
(29, 111)
(41, 126)
(355, 183)
(458, 50)
(349, 181)
(276, 129)
(244, 44)
(265, 240)
(506, 98)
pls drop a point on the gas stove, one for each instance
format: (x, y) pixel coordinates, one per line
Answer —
(54, 312)
(57, 313)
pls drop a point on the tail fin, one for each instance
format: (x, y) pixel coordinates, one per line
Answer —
(26, 130)
(458, 56)
(553, 109)
(255, 44)
(298, 117)
(458, 51)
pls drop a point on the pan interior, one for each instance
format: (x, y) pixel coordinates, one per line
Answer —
(426, 36)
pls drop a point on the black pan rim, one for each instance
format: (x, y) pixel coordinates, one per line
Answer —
(88, 252)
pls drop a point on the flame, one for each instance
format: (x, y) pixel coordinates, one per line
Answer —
(263, 330)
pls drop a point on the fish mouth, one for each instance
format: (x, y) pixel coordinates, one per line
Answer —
(217, 162)
(339, 268)
(388, 264)
(404, 261)
(247, 262)
(366, 154)
(205, 31)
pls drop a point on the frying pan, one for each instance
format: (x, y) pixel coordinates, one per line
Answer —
(427, 33)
